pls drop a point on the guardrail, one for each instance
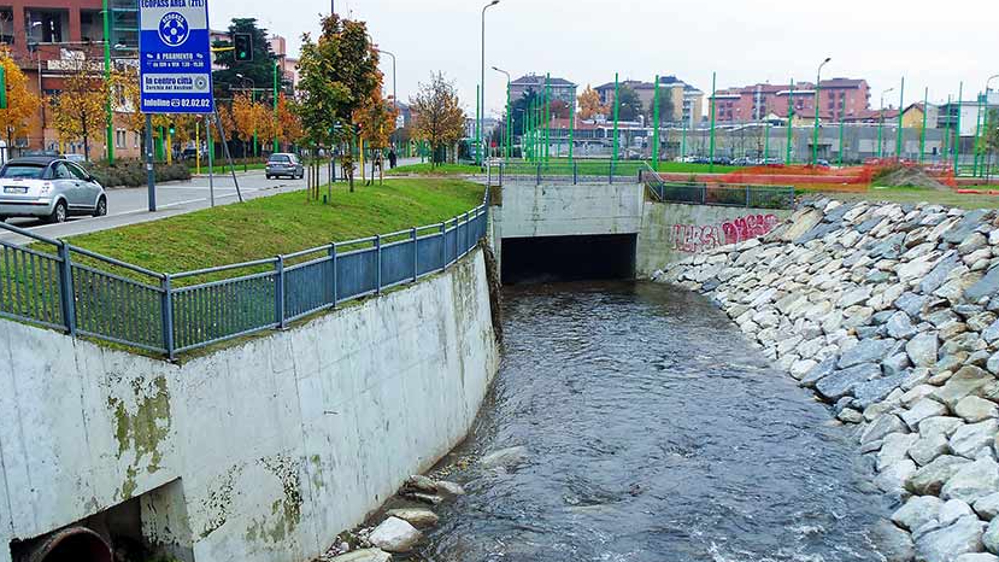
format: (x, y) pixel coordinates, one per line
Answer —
(83, 293)
(577, 172)
(721, 194)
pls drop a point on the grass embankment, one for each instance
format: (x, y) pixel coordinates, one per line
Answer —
(919, 195)
(282, 224)
(431, 170)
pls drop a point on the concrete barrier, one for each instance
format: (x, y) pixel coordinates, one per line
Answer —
(262, 451)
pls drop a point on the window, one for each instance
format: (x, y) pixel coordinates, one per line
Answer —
(46, 26)
(119, 138)
(7, 26)
(135, 136)
(78, 172)
(61, 172)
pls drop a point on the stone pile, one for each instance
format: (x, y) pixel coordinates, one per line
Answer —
(889, 313)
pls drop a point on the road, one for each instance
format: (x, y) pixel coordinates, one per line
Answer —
(130, 205)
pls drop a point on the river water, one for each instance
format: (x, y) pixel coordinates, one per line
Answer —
(654, 433)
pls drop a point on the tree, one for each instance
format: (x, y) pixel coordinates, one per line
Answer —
(665, 106)
(630, 106)
(259, 71)
(78, 110)
(337, 75)
(22, 103)
(376, 119)
(287, 127)
(589, 104)
(249, 118)
(559, 109)
(520, 108)
(440, 120)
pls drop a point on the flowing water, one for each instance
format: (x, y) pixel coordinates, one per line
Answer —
(654, 433)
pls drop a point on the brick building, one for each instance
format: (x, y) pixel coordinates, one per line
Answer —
(688, 101)
(839, 98)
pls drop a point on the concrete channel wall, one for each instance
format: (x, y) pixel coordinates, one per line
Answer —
(673, 231)
(262, 451)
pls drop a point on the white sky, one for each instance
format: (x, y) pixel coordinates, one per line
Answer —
(586, 41)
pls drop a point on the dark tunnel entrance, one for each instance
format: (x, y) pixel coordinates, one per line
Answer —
(568, 258)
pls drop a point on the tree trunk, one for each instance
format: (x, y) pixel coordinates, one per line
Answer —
(86, 141)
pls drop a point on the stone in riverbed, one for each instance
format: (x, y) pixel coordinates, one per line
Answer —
(420, 483)
(963, 383)
(987, 507)
(450, 489)
(395, 535)
(940, 424)
(895, 448)
(900, 326)
(946, 544)
(819, 372)
(892, 480)
(893, 543)
(868, 351)
(967, 440)
(842, 382)
(917, 511)
(953, 510)
(922, 349)
(986, 287)
(929, 479)
(972, 481)
(882, 427)
(415, 516)
(506, 458)
(974, 409)
(924, 408)
(365, 555)
(991, 538)
(928, 448)
(876, 390)
(977, 557)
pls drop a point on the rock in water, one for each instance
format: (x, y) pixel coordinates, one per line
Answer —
(506, 458)
(395, 535)
(894, 543)
(366, 555)
(450, 489)
(420, 483)
(416, 516)
(945, 545)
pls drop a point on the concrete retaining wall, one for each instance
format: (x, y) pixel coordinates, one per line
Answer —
(263, 451)
(673, 231)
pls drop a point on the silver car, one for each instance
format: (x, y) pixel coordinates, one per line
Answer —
(284, 164)
(49, 188)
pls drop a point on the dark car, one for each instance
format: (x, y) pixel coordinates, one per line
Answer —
(284, 164)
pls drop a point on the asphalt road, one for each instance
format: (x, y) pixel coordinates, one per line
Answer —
(130, 205)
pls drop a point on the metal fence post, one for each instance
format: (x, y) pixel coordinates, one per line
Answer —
(610, 173)
(747, 196)
(575, 173)
(468, 234)
(416, 257)
(67, 294)
(538, 176)
(279, 290)
(167, 312)
(378, 264)
(444, 246)
(333, 266)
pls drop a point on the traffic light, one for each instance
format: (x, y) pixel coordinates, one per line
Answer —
(172, 129)
(243, 42)
(3, 87)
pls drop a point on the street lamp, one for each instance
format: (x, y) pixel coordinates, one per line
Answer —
(506, 150)
(395, 100)
(482, 97)
(881, 122)
(815, 134)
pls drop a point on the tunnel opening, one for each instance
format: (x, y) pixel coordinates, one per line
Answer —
(568, 258)
(75, 544)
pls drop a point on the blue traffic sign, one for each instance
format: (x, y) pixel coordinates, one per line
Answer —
(175, 60)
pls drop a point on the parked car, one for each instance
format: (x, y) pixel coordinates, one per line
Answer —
(49, 188)
(284, 164)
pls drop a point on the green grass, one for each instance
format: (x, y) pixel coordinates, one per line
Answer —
(690, 168)
(431, 170)
(919, 195)
(282, 224)
(224, 169)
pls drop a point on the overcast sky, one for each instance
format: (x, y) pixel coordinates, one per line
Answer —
(744, 41)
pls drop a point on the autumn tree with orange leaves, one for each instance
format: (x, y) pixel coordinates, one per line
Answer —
(22, 103)
(589, 104)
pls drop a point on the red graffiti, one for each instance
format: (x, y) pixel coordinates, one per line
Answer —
(693, 238)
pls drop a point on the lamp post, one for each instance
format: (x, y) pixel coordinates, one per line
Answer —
(395, 98)
(506, 150)
(482, 97)
(881, 122)
(109, 142)
(986, 119)
(815, 134)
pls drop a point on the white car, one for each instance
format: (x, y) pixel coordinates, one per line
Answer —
(49, 188)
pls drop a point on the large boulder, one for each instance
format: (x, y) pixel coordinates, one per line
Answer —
(969, 439)
(972, 481)
(893, 543)
(974, 409)
(917, 511)
(415, 516)
(929, 479)
(505, 458)
(395, 535)
(842, 382)
(964, 382)
(364, 555)
(922, 349)
(946, 544)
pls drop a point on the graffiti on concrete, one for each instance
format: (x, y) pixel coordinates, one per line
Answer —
(694, 238)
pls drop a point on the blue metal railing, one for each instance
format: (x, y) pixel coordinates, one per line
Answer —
(84, 293)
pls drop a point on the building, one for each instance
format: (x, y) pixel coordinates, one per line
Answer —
(688, 101)
(913, 116)
(50, 40)
(839, 98)
(971, 112)
(559, 88)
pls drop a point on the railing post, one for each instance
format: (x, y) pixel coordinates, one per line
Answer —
(378, 264)
(333, 266)
(575, 173)
(468, 234)
(538, 176)
(67, 295)
(610, 173)
(167, 312)
(416, 257)
(747, 196)
(279, 290)
(444, 246)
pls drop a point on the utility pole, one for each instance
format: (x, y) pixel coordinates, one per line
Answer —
(815, 134)
(901, 108)
(655, 124)
(711, 151)
(107, 79)
(790, 121)
(481, 101)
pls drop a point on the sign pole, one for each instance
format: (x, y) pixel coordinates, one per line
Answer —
(150, 171)
(211, 157)
(228, 157)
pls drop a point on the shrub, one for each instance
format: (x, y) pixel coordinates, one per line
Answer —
(132, 173)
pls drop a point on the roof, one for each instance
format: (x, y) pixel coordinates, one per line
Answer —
(534, 80)
(35, 160)
(640, 85)
(843, 83)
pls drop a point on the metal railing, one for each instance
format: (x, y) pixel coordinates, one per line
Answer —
(576, 172)
(83, 293)
(721, 194)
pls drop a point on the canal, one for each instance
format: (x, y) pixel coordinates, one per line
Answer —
(654, 432)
